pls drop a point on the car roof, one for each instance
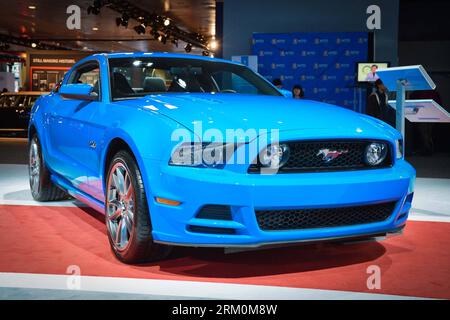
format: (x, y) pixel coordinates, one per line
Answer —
(156, 55)
(24, 93)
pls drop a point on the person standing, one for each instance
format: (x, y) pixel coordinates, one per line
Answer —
(277, 83)
(378, 106)
(297, 92)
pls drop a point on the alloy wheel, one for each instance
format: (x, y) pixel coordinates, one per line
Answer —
(34, 166)
(120, 206)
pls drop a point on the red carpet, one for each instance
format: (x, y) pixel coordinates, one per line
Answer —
(49, 239)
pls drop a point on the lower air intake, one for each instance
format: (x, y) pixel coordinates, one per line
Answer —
(271, 220)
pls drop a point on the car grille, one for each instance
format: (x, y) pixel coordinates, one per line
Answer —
(323, 218)
(305, 157)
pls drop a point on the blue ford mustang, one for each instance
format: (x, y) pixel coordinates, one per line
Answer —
(185, 150)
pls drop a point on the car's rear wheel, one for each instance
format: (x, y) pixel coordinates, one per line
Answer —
(42, 187)
(127, 213)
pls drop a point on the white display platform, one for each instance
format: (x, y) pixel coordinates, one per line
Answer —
(402, 79)
(413, 77)
(424, 110)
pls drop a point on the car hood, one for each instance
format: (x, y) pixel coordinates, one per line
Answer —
(238, 111)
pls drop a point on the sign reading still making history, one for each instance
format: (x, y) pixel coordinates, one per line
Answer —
(46, 70)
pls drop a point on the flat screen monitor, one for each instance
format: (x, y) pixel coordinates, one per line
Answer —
(367, 71)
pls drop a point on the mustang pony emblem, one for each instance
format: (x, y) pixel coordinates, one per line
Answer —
(329, 155)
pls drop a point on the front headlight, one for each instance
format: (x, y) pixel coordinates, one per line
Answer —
(399, 149)
(202, 154)
(375, 153)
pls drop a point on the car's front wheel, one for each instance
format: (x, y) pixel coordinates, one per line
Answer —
(42, 187)
(127, 213)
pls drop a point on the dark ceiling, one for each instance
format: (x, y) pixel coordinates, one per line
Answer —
(419, 21)
(47, 22)
(424, 20)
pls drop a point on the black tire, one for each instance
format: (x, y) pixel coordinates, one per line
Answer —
(42, 188)
(140, 247)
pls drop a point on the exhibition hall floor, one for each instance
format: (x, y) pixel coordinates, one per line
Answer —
(42, 245)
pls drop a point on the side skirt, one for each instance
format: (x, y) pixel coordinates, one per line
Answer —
(79, 195)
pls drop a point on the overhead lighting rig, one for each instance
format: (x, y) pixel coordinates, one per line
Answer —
(140, 29)
(161, 28)
(122, 21)
(95, 7)
(30, 43)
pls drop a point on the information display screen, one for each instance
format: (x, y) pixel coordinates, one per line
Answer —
(367, 71)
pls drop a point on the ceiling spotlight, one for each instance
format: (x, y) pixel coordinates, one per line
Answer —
(32, 7)
(188, 47)
(95, 7)
(197, 36)
(33, 45)
(153, 20)
(93, 10)
(213, 45)
(122, 21)
(163, 39)
(140, 29)
(94, 29)
(167, 22)
(155, 33)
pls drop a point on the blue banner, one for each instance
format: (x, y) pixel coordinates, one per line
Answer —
(322, 63)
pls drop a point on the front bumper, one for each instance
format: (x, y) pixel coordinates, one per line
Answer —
(245, 193)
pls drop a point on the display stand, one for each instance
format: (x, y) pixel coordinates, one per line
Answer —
(402, 79)
(425, 110)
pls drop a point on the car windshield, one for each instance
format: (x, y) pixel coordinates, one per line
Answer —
(138, 77)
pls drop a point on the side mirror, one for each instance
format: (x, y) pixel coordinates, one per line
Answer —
(78, 92)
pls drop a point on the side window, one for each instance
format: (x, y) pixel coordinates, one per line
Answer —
(88, 73)
(91, 77)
